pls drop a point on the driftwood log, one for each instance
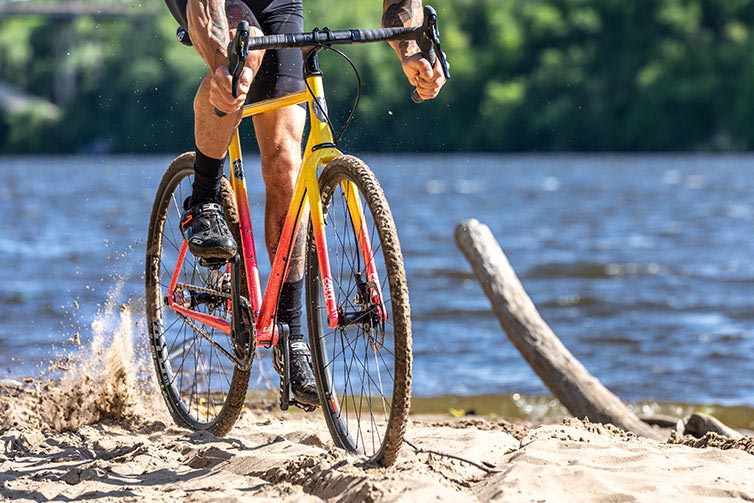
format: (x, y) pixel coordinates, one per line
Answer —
(571, 383)
(698, 424)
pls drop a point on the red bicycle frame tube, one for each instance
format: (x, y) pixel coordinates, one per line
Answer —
(238, 183)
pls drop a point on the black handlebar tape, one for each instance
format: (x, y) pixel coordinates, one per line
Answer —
(329, 37)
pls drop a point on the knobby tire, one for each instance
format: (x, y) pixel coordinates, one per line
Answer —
(363, 370)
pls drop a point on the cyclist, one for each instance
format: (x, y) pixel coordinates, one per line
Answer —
(211, 25)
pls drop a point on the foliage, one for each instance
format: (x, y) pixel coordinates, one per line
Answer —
(527, 75)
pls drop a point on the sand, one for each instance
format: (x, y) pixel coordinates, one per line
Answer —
(271, 456)
(101, 433)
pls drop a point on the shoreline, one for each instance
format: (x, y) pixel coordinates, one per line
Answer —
(511, 406)
(548, 409)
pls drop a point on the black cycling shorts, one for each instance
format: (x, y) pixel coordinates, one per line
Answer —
(281, 70)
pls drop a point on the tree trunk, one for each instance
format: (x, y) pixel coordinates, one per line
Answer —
(580, 392)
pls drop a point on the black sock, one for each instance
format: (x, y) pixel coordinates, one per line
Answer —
(208, 173)
(289, 309)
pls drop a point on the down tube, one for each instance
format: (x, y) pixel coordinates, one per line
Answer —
(238, 183)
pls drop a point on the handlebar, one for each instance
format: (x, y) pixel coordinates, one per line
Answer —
(427, 37)
(327, 37)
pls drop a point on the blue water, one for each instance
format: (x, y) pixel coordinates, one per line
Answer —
(643, 265)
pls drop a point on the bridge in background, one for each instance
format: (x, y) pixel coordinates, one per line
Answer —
(62, 9)
(13, 99)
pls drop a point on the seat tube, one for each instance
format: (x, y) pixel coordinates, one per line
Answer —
(238, 183)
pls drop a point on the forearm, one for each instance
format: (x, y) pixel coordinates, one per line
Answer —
(208, 27)
(402, 13)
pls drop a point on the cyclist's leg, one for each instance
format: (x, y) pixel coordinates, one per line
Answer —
(279, 136)
(203, 225)
(279, 132)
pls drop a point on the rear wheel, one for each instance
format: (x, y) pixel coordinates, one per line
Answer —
(363, 365)
(202, 385)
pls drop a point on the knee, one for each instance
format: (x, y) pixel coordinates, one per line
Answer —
(280, 167)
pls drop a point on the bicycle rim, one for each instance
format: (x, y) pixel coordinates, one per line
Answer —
(201, 385)
(363, 366)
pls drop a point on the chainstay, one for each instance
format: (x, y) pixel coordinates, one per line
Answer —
(242, 365)
(203, 289)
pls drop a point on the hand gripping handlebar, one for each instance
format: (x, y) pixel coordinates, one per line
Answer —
(237, 51)
(429, 44)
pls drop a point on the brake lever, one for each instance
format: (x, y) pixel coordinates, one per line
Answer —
(237, 52)
(238, 49)
(429, 44)
(435, 36)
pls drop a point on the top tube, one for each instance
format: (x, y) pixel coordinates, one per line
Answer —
(327, 37)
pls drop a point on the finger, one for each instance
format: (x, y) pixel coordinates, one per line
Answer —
(436, 74)
(244, 81)
(428, 90)
(430, 85)
(221, 85)
(422, 67)
(427, 70)
(225, 102)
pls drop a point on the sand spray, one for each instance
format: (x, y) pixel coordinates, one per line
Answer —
(108, 379)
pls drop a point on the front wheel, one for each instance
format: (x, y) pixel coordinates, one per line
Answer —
(363, 365)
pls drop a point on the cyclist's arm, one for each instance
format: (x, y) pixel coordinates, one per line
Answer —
(209, 24)
(428, 80)
(402, 13)
(208, 27)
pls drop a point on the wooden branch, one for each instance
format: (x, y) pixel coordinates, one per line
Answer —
(698, 425)
(580, 392)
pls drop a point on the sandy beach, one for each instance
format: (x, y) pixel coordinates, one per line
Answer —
(101, 433)
(135, 454)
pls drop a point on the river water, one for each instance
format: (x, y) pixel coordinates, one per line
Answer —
(643, 265)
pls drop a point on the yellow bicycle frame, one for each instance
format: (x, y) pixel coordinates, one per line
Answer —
(320, 150)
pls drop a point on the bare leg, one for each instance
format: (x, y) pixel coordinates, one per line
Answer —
(209, 21)
(279, 136)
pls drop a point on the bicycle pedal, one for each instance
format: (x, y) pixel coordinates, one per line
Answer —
(303, 406)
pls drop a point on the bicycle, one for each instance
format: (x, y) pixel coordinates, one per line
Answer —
(206, 319)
